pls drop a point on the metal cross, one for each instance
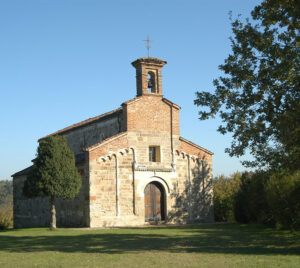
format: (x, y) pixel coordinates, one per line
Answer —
(148, 43)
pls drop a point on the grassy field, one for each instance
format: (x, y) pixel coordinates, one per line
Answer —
(229, 245)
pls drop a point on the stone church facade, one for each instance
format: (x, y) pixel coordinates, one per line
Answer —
(135, 166)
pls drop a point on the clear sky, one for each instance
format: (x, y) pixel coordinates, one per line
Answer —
(63, 61)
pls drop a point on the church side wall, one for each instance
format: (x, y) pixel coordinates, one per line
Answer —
(29, 212)
(81, 138)
(35, 212)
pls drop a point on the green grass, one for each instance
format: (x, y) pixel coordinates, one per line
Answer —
(229, 245)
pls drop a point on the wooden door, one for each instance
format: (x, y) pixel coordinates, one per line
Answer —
(153, 202)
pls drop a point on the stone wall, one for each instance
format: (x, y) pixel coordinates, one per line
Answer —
(29, 212)
(35, 212)
(81, 138)
(120, 169)
(192, 198)
(117, 170)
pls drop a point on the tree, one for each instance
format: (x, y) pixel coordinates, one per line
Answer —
(225, 190)
(258, 98)
(54, 173)
(6, 204)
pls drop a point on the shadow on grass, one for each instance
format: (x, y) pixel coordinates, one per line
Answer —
(226, 239)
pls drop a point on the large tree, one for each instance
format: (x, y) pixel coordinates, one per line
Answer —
(258, 98)
(53, 174)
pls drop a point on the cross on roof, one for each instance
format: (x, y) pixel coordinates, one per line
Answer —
(148, 43)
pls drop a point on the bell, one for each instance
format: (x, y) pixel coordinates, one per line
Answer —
(150, 85)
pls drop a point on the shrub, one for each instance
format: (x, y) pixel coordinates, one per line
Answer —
(283, 195)
(250, 204)
(6, 218)
(224, 195)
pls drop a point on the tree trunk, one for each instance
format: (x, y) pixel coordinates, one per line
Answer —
(53, 213)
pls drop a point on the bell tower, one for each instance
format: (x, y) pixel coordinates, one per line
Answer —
(148, 76)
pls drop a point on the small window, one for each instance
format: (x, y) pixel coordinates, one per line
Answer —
(154, 154)
(151, 82)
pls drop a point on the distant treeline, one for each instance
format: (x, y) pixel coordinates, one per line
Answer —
(6, 192)
(270, 198)
(6, 204)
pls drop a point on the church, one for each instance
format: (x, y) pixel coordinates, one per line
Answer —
(136, 168)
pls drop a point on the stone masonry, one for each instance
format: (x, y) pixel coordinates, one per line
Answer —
(113, 155)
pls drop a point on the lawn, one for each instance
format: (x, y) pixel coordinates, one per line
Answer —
(228, 245)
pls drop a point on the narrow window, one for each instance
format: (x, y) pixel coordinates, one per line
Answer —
(150, 85)
(151, 82)
(154, 154)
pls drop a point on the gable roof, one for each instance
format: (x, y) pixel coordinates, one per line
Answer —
(170, 103)
(195, 145)
(86, 122)
(22, 172)
(109, 139)
(102, 117)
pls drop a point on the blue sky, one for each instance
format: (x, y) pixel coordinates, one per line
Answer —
(63, 61)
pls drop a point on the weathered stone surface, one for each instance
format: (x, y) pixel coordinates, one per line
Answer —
(116, 168)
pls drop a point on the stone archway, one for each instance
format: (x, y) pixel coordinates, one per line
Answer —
(155, 201)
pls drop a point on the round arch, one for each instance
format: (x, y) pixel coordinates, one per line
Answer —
(142, 185)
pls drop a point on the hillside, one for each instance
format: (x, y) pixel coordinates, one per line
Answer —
(6, 193)
(6, 204)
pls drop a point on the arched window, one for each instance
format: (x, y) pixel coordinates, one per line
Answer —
(151, 82)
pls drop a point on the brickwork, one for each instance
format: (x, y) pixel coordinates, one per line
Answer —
(144, 66)
(151, 113)
(117, 167)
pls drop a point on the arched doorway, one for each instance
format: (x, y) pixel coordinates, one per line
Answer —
(154, 197)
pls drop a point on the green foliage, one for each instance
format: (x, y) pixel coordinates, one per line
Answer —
(258, 99)
(283, 195)
(6, 204)
(250, 203)
(267, 197)
(6, 192)
(225, 190)
(54, 172)
(6, 217)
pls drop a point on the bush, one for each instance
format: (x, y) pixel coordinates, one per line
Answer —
(6, 218)
(6, 204)
(224, 194)
(250, 204)
(283, 196)
(267, 197)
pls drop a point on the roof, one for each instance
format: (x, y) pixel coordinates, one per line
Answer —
(170, 103)
(86, 122)
(22, 172)
(149, 60)
(195, 145)
(102, 117)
